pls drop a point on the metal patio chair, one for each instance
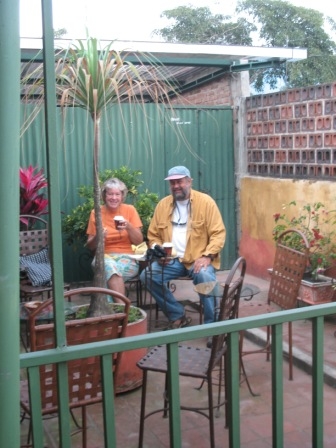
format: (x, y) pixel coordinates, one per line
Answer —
(288, 269)
(84, 375)
(198, 362)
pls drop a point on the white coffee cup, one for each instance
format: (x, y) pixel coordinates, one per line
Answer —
(118, 221)
(168, 248)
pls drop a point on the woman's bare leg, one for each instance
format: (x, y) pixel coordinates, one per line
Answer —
(117, 284)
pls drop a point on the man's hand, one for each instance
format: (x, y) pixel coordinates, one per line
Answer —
(201, 263)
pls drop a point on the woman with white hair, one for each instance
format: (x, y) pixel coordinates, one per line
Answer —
(118, 235)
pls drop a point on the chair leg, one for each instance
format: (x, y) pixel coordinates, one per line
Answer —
(226, 393)
(242, 366)
(29, 436)
(139, 294)
(142, 409)
(165, 398)
(221, 381)
(200, 313)
(84, 427)
(211, 413)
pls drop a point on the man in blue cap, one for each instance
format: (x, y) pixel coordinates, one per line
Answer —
(191, 221)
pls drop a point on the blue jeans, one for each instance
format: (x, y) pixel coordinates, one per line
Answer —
(156, 277)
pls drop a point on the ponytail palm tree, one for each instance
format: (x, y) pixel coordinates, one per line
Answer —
(94, 80)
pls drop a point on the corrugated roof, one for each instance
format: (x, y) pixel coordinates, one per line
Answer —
(182, 65)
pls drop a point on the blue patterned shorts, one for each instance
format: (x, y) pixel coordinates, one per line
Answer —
(120, 264)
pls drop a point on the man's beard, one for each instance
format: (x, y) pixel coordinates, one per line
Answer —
(180, 195)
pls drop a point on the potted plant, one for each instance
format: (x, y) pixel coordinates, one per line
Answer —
(318, 225)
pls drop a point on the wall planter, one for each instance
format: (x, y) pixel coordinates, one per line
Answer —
(316, 292)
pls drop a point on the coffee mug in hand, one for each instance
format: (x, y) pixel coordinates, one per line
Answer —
(168, 248)
(118, 221)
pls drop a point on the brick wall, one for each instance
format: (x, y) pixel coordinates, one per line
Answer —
(216, 93)
(292, 134)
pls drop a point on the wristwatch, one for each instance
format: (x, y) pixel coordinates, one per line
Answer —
(209, 256)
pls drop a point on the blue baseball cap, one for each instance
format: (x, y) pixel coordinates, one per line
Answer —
(177, 172)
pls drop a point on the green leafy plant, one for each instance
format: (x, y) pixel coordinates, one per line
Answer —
(134, 315)
(317, 224)
(75, 224)
(32, 192)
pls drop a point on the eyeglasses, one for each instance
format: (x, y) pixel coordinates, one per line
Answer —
(178, 223)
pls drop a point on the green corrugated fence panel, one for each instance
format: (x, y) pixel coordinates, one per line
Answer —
(208, 152)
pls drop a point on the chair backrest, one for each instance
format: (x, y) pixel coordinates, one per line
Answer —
(33, 234)
(288, 269)
(84, 375)
(228, 308)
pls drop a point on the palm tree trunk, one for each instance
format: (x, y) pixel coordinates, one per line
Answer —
(98, 303)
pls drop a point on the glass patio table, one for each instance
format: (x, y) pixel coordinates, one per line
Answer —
(216, 289)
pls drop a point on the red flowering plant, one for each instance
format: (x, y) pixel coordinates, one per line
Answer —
(32, 192)
(318, 225)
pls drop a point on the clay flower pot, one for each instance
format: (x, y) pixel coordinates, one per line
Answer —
(320, 291)
(130, 376)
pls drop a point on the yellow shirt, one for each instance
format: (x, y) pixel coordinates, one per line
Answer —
(205, 231)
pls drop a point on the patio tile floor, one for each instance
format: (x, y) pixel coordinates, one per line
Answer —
(256, 417)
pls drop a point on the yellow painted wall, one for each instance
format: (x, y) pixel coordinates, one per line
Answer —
(260, 199)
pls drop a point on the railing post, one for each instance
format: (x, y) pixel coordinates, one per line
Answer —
(232, 377)
(317, 401)
(277, 387)
(9, 223)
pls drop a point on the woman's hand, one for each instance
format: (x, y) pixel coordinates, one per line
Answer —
(134, 233)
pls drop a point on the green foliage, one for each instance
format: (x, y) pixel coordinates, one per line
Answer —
(199, 25)
(317, 224)
(75, 224)
(134, 314)
(270, 23)
(281, 24)
(145, 203)
(59, 33)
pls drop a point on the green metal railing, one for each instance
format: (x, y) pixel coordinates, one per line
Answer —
(61, 355)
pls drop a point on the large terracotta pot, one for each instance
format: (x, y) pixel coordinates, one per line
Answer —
(130, 376)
